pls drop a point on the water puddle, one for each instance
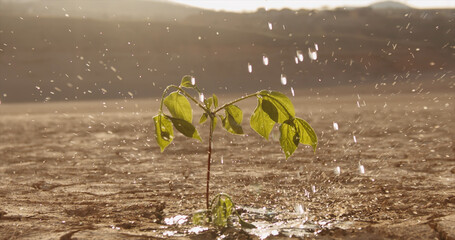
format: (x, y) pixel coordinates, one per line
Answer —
(268, 223)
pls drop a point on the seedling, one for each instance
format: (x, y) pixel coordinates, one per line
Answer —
(272, 108)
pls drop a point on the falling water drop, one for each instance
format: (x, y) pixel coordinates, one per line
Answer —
(355, 139)
(335, 126)
(296, 60)
(265, 60)
(250, 68)
(193, 81)
(313, 55)
(222, 159)
(337, 171)
(292, 91)
(270, 25)
(361, 169)
(201, 97)
(300, 55)
(284, 79)
(316, 47)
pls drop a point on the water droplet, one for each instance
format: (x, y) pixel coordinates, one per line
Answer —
(299, 209)
(296, 59)
(316, 47)
(355, 139)
(284, 80)
(193, 81)
(300, 55)
(292, 91)
(270, 25)
(335, 126)
(250, 68)
(361, 169)
(201, 97)
(265, 59)
(313, 55)
(337, 171)
(222, 159)
(313, 188)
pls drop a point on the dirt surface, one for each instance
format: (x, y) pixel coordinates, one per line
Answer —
(91, 170)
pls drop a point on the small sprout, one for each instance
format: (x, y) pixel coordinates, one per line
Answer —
(272, 108)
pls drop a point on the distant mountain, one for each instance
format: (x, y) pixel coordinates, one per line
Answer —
(389, 5)
(156, 10)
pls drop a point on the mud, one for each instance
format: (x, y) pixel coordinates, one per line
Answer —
(91, 170)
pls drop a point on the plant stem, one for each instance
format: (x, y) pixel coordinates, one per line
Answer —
(234, 101)
(209, 152)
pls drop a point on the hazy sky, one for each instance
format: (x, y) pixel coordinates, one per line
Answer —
(252, 5)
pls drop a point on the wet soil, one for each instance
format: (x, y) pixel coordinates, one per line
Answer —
(91, 170)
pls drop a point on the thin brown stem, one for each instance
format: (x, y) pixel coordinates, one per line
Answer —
(209, 152)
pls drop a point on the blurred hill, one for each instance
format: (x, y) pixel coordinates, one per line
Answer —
(117, 55)
(157, 10)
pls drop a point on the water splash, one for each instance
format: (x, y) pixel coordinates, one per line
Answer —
(197, 229)
(284, 79)
(179, 219)
(265, 59)
(250, 68)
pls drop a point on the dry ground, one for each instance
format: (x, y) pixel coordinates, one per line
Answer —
(91, 170)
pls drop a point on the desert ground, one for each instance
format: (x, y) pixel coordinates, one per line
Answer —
(92, 170)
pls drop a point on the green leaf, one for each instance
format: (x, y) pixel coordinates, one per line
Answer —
(221, 212)
(164, 133)
(186, 82)
(270, 109)
(200, 217)
(306, 133)
(208, 102)
(235, 112)
(284, 107)
(185, 128)
(179, 106)
(203, 118)
(260, 121)
(214, 121)
(215, 100)
(246, 224)
(289, 138)
(233, 119)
